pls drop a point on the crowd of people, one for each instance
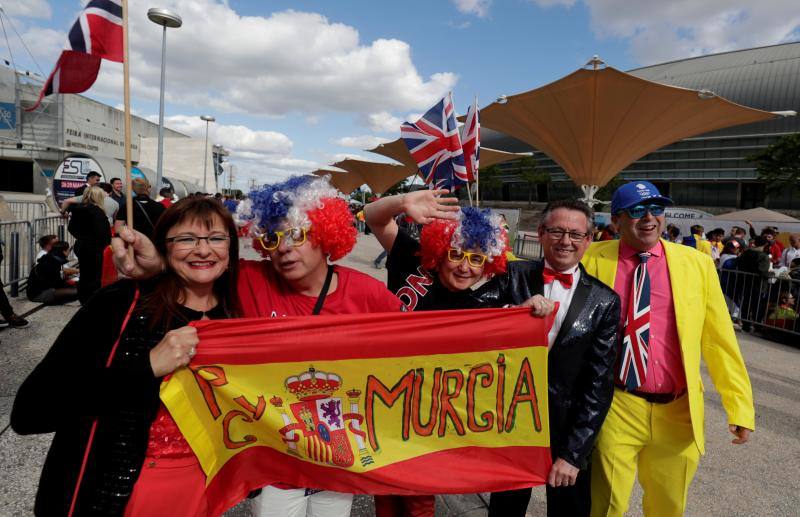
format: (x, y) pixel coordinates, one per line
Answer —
(760, 275)
(625, 392)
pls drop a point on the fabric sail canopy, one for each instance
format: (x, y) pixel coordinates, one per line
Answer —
(596, 122)
(397, 150)
(379, 176)
(345, 182)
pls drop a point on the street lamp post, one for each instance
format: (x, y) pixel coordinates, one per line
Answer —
(166, 19)
(207, 119)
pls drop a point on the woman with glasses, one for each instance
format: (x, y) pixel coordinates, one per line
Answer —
(300, 226)
(116, 449)
(457, 248)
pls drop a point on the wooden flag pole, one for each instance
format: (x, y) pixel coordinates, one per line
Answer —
(469, 194)
(477, 189)
(127, 101)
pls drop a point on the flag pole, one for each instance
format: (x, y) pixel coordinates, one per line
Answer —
(127, 101)
(477, 189)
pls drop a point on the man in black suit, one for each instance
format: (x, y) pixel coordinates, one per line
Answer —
(582, 351)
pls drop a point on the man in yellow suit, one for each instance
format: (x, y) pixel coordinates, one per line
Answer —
(673, 311)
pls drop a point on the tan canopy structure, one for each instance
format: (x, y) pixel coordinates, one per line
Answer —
(760, 214)
(379, 176)
(595, 122)
(345, 182)
(397, 150)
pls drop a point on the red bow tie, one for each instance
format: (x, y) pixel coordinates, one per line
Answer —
(565, 278)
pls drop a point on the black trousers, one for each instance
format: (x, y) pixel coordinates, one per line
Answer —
(5, 307)
(90, 259)
(565, 501)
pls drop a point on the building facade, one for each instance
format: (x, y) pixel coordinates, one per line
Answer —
(34, 144)
(709, 170)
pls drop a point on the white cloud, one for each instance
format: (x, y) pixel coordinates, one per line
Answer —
(551, 3)
(272, 65)
(383, 122)
(263, 155)
(479, 8)
(360, 142)
(235, 137)
(28, 8)
(660, 31)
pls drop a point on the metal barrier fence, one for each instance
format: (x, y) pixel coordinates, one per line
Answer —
(27, 210)
(527, 246)
(19, 243)
(53, 225)
(762, 302)
(15, 240)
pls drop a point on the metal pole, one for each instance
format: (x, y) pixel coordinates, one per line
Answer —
(160, 167)
(14, 264)
(205, 160)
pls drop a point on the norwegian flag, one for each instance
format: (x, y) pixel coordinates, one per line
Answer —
(435, 145)
(95, 35)
(471, 141)
(635, 343)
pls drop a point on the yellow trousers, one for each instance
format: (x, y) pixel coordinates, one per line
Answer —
(657, 440)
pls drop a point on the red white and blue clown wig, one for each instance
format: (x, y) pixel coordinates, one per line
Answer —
(479, 230)
(308, 202)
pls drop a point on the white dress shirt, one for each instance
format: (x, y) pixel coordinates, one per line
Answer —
(789, 254)
(556, 292)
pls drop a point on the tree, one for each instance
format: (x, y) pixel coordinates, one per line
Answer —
(779, 164)
(607, 190)
(532, 175)
(489, 178)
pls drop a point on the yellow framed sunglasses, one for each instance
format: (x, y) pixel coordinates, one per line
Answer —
(294, 236)
(473, 259)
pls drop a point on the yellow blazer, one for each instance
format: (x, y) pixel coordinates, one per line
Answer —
(704, 327)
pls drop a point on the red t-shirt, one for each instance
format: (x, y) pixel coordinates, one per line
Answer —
(262, 292)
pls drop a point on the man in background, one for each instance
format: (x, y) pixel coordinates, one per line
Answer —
(146, 211)
(92, 179)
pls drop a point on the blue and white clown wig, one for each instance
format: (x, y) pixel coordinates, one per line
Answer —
(308, 202)
(479, 230)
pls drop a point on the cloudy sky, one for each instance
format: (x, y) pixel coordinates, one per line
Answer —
(298, 85)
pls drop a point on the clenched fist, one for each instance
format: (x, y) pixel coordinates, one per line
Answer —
(175, 350)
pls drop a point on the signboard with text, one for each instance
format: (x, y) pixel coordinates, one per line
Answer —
(71, 174)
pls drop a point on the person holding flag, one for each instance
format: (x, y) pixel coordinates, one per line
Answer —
(299, 226)
(582, 349)
(457, 248)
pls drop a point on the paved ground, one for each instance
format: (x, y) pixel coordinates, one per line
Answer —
(759, 479)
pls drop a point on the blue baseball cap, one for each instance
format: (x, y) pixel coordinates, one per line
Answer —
(634, 193)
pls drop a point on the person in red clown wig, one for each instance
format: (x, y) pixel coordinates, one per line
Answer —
(457, 248)
(300, 226)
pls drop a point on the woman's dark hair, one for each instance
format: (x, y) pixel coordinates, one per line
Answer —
(162, 304)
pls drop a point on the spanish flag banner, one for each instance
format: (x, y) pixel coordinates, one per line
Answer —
(393, 403)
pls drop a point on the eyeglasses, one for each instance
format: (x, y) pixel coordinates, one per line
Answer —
(473, 259)
(638, 211)
(188, 242)
(557, 234)
(292, 236)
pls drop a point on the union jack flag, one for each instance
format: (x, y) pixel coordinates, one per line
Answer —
(95, 35)
(635, 343)
(471, 141)
(435, 145)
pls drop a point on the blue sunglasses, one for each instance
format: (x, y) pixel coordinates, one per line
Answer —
(639, 211)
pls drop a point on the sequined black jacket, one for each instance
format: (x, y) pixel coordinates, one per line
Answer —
(71, 387)
(581, 361)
